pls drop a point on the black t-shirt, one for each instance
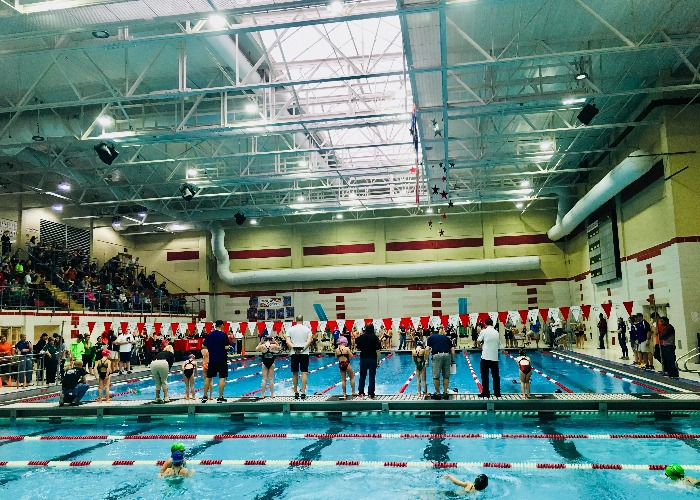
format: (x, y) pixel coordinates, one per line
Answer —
(110, 340)
(368, 345)
(439, 344)
(168, 356)
(72, 377)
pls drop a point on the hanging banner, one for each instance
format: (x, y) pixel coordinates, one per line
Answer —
(523, 315)
(575, 312)
(607, 308)
(333, 325)
(464, 318)
(191, 327)
(107, 325)
(349, 323)
(545, 314)
(227, 327)
(314, 326)
(260, 325)
(208, 326)
(91, 325)
(387, 323)
(482, 317)
(565, 312)
(124, 325)
(502, 317)
(473, 319)
(277, 326)
(174, 327)
(243, 327)
(444, 320)
(425, 321)
(628, 307)
(585, 310)
(139, 327)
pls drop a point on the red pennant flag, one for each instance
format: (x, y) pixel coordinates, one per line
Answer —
(91, 325)
(523, 315)
(261, 327)
(208, 326)
(406, 322)
(332, 325)
(108, 324)
(244, 327)
(444, 320)
(628, 307)
(607, 308)
(424, 321)
(545, 314)
(124, 325)
(277, 326)
(502, 317)
(191, 327)
(585, 310)
(314, 326)
(139, 327)
(464, 318)
(349, 324)
(565, 312)
(226, 326)
(387, 323)
(157, 327)
(482, 317)
(174, 327)
(368, 321)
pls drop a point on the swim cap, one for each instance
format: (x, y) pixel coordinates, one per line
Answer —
(105, 353)
(481, 482)
(342, 340)
(177, 447)
(178, 457)
(191, 356)
(675, 471)
(419, 343)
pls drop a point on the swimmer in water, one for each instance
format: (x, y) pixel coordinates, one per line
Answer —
(175, 465)
(189, 372)
(676, 473)
(525, 372)
(343, 353)
(102, 371)
(268, 347)
(480, 482)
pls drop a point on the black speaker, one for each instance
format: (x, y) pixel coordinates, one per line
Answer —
(239, 218)
(106, 153)
(587, 113)
(187, 191)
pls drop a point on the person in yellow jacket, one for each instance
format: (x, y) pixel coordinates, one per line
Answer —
(77, 349)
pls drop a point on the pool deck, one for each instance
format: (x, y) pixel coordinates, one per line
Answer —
(30, 402)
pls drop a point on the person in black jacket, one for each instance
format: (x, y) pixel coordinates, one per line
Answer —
(160, 367)
(369, 346)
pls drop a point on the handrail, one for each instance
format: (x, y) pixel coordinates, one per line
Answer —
(171, 281)
(695, 353)
(184, 293)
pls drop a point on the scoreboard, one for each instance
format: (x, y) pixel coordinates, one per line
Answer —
(603, 248)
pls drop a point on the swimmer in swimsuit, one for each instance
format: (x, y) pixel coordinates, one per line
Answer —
(208, 388)
(480, 482)
(268, 347)
(343, 353)
(420, 358)
(525, 372)
(189, 372)
(175, 465)
(102, 369)
(676, 472)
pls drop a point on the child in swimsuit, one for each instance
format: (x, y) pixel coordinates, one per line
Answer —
(343, 353)
(480, 482)
(268, 347)
(103, 368)
(189, 372)
(420, 358)
(208, 385)
(175, 465)
(525, 372)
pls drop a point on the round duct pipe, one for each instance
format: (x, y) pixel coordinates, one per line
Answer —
(417, 270)
(624, 174)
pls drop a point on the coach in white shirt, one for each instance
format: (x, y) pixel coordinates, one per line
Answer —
(299, 339)
(490, 341)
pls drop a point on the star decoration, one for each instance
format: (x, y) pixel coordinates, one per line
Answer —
(452, 165)
(438, 133)
(413, 170)
(444, 169)
(444, 178)
(444, 216)
(443, 194)
(435, 189)
(433, 122)
(430, 224)
(442, 232)
(450, 204)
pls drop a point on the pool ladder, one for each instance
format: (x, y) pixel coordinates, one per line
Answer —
(694, 354)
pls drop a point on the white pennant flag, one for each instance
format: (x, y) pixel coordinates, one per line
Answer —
(416, 321)
(494, 317)
(322, 327)
(473, 317)
(533, 314)
(576, 312)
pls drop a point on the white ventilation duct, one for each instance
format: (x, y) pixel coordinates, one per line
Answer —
(628, 171)
(417, 270)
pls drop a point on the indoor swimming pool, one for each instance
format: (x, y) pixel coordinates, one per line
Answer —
(353, 455)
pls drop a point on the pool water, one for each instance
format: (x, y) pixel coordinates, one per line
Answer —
(280, 482)
(396, 368)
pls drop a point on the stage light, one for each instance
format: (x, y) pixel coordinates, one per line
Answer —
(239, 218)
(106, 152)
(187, 191)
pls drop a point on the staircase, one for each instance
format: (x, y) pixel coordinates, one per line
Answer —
(63, 297)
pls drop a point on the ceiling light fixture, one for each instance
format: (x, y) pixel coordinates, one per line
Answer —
(251, 107)
(336, 7)
(303, 163)
(581, 75)
(64, 186)
(57, 207)
(253, 222)
(300, 198)
(218, 22)
(429, 210)
(519, 205)
(547, 146)
(573, 100)
(142, 214)
(175, 227)
(525, 183)
(105, 120)
(339, 216)
(102, 34)
(116, 222)
(191, 172)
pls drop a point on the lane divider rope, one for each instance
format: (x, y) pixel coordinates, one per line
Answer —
(221, 437)
(405, 384)
(558, 384)
(342, 463)
(471, 369)
(604, 372)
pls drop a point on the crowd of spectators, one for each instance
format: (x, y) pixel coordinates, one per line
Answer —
(21, 286)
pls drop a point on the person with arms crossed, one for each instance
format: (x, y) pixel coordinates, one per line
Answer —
(125, 341)
(216, 343)
(490, 342)
(299, 338)
(370, 348)
(443, 355)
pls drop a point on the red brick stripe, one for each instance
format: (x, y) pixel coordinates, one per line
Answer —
(340, 249)
(183, 255)
(399, 246)
(521, 239)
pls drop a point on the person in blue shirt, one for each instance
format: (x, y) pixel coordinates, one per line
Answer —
(216, 343)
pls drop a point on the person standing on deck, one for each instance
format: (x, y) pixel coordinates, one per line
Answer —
(370, 348)
(668, 348)
(602, 330)
(490, 342)
(216, 343)
(299, 338)
(443, 355)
